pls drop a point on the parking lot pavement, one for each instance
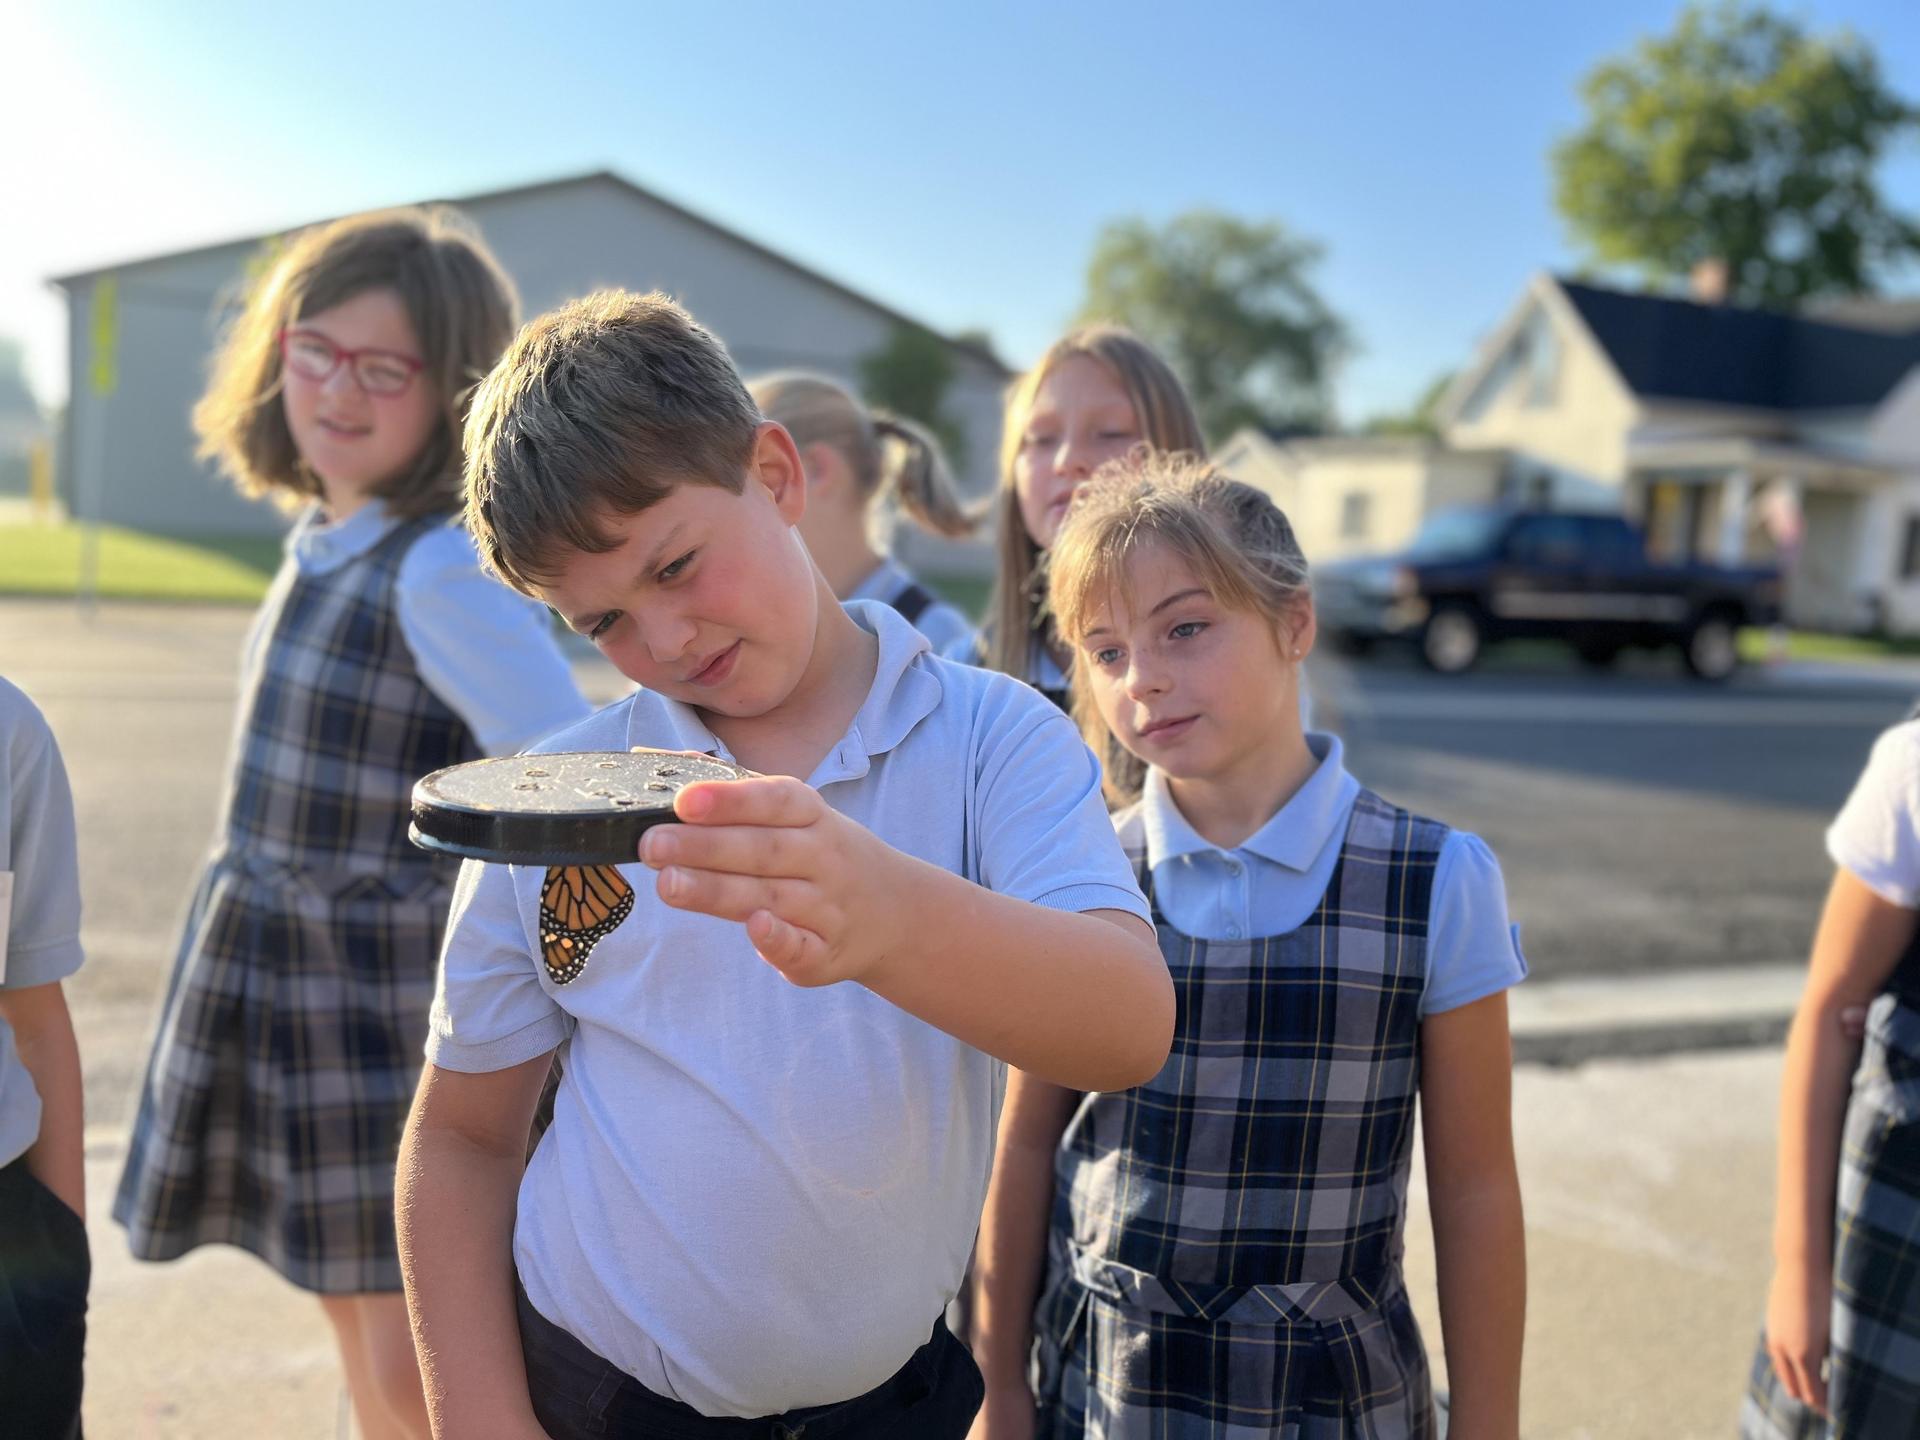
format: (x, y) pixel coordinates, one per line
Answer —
(1632, 848)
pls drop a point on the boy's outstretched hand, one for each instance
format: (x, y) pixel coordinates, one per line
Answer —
(810, 885)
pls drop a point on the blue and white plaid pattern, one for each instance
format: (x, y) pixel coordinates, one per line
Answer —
(290, 1040)
(1225, 1259)
(1873, 1386)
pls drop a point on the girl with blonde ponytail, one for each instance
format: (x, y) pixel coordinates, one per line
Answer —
(855, 460)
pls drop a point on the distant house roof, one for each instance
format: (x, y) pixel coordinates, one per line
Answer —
(979, 350)
(1722, 354)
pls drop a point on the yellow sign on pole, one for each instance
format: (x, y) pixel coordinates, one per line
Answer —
(106, 334)
(40, 481)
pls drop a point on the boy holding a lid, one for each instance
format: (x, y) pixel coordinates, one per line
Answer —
(784, 1067)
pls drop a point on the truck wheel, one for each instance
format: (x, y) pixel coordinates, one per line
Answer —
(1452, 640)
(1711, 650)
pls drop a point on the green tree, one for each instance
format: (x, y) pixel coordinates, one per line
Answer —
(1419, 420)
(909, 375)
(1229, 304)
(1743, 139)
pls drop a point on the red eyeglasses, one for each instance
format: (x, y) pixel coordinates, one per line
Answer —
(312, 356)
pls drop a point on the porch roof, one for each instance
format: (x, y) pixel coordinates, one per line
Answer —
(1712, 456)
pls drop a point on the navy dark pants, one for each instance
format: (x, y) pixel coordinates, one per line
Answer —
(577, 1395)
(44, 1270)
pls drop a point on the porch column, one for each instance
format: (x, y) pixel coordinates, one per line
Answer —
(1736, 491)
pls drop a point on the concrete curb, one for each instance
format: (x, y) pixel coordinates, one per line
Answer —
(1569, 1022)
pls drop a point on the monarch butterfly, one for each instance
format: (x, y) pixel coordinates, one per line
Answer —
(580, 905)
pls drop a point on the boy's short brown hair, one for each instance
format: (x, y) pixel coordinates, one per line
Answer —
(600, 407)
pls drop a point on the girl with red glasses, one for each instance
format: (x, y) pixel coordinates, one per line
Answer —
(291, 1035)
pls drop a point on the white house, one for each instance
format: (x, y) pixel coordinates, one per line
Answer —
(1733, 435)
(1352, 495)
(129, 461)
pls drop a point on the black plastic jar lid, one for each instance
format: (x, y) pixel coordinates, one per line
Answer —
(582, 808)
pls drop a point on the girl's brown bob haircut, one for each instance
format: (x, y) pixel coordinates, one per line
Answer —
(460, 302)
(1234, 539)
(1015, 615)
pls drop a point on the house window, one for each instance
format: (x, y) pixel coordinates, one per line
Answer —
(1543, 360)
(1531, 361)
(1356, 512)
(1910, 550)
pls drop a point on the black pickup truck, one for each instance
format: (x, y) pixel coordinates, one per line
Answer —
(1475, 576)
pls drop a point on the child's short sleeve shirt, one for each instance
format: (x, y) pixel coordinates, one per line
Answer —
(40, 871)
(1876, 835)
(757, 1197)
(1272, 882)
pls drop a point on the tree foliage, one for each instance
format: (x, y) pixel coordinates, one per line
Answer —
(910, 375)
(1230, 305)
(1418, 422)
(1741, 138)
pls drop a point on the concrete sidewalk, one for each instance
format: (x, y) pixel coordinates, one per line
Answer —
(1646, 1152)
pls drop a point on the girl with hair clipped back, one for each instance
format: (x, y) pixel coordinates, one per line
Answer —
(857, 459)
(1218, 1251)
(294, 1025)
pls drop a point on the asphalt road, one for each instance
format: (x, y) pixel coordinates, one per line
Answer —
(1644, 821)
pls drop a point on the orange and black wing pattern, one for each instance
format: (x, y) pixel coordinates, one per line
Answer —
(580, 905)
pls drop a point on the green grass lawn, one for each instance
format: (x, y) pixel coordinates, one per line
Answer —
(46, 560)
(1756, 646)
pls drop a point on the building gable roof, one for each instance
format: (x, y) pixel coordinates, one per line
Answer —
(1666, 348)
(981, 352)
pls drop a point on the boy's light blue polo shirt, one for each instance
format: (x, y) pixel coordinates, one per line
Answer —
(1271, 882)
(40, 930)
(757, 1197)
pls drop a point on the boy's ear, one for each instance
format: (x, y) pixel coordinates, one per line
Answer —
(775, 463)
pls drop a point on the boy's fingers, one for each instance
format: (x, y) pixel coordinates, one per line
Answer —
(763, 800)
(766, 850)
(738, 897)
(798, 954)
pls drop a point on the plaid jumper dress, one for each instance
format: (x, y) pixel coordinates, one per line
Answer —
(1226, 1239)
(1873, 1387)
(293, 1028)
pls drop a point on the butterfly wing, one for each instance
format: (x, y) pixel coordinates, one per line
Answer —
(580, 905)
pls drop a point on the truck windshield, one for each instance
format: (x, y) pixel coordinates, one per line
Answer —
(1455, 535)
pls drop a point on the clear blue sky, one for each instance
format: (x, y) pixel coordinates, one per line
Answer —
(957, 164)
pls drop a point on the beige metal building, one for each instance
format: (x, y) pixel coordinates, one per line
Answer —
(128, 460)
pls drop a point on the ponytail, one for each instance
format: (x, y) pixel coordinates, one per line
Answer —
(915, 472)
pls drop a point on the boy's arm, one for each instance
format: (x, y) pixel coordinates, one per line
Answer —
(1011, 1257)
(1083, 1000)
(461, 1158)
(1466, 1074)
(43, 1034)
